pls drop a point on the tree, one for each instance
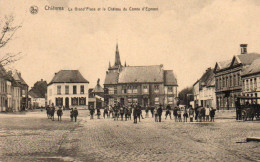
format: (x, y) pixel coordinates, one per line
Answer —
(185, 96)
(8, 31)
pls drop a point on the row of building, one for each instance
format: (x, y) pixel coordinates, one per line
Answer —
(13, 91)
(237, 77)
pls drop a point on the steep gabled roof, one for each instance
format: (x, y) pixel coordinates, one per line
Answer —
(247, 59)
(68, 76)
(169, 78)
(142, 74)
(208, 78)
(18, 78)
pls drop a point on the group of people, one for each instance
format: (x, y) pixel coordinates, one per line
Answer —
(117, 111)
(50, 110)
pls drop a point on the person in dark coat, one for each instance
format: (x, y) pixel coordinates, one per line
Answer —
(121, 113)
(130, 111)
(105, 112)
(75, 114)
(175, 113)
(92, 111)
(52, 113)
(160, 110)
(135, 114)
(168, 112)
(139, 112)
(71, 114)
(98, 113)
(152, 111)
(126, 112)
(59, 114)
(191, 114)
(212, 114)
(146, 111)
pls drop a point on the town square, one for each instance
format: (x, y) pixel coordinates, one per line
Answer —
(180, 82)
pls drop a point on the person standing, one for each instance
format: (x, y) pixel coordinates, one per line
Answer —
(175, 114)
(146, 111)
(179, 114)
(105, 113)
(71, 114)
(152, 111)
(110, 111)
(168, 112)
(135, 114)
(207, 110)
(122, 113)
(139, 112)
(160, 110)
(212, 114)
(191, 114)
(98, 112)
(126, 112)
(75, 114)
(52, 113)
(130, 111)
(92, 111)
(185, 114)
(59, 113)
(156, 114)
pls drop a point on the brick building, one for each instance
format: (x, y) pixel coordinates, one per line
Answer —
(228, 83)
(146, 85)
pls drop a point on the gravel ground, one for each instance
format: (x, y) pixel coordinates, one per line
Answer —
(32, 137)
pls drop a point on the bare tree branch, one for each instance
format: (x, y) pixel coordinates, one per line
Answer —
(6, 35)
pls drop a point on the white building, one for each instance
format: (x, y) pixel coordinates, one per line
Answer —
(68, 88)
(204, 90)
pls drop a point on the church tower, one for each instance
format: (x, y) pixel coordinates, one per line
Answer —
(117, 66)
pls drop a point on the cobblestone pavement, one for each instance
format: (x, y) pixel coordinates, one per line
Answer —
(38, 139)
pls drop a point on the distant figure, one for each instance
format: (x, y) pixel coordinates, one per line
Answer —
(75, 114)
(59, 113)
(71, 114)
(152, 111)
(105, 113)
(159, 111)
(212, 114)
(146, 111)
(130, 111)
(135, 114)
(98, 113)
(139, 112)
(122, 113)
(126, 112)
(156, 114)
(52, 113)
(48, 112)
(175, 114)
(185, 115)
(207, 110)
(110, 111)
(191, 114)
(92, 111)
(168, 112)
(179, 114)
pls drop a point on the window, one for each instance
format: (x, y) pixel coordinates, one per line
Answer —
(135, 100)
(82, 89)
(74, 101)
(111, 90)
(235, 82)
(129, 89)
(255, 84)
(58, 89)
(251, 84)
(67, 89)
(217, 84)
(170, 89)
(247, 86)
(130, 100)
(145, 89)
(74, 89)
(170, 99)
(134, 89)
(82, 101)
(244, 85)
(59, 101)
(231, 81)
(111, 101)
(156, 100)
(156, 88)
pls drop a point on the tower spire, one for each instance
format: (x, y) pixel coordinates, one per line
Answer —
(117, 57)
(125, 63)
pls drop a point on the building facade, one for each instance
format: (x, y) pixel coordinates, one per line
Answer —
(228, 78)
(204, 90)
(145, 85)
(96, 96)
(37, 94)
(68, 88)
(251, 80)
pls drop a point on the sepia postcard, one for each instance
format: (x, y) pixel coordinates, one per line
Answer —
(129, 80)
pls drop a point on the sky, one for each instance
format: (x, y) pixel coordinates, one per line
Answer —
(185, 36)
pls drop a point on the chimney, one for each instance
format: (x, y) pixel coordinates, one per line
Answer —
(243, 48)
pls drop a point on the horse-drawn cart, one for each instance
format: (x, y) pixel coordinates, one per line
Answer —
(247, 108)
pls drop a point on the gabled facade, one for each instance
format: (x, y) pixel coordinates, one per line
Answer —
(146, 85)
(204, 90)
(69, 89)
(228, 83)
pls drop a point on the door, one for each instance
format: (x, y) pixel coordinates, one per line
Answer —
(122, 101)
(67, 102)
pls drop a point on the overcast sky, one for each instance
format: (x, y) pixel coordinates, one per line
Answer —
(185, 36)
